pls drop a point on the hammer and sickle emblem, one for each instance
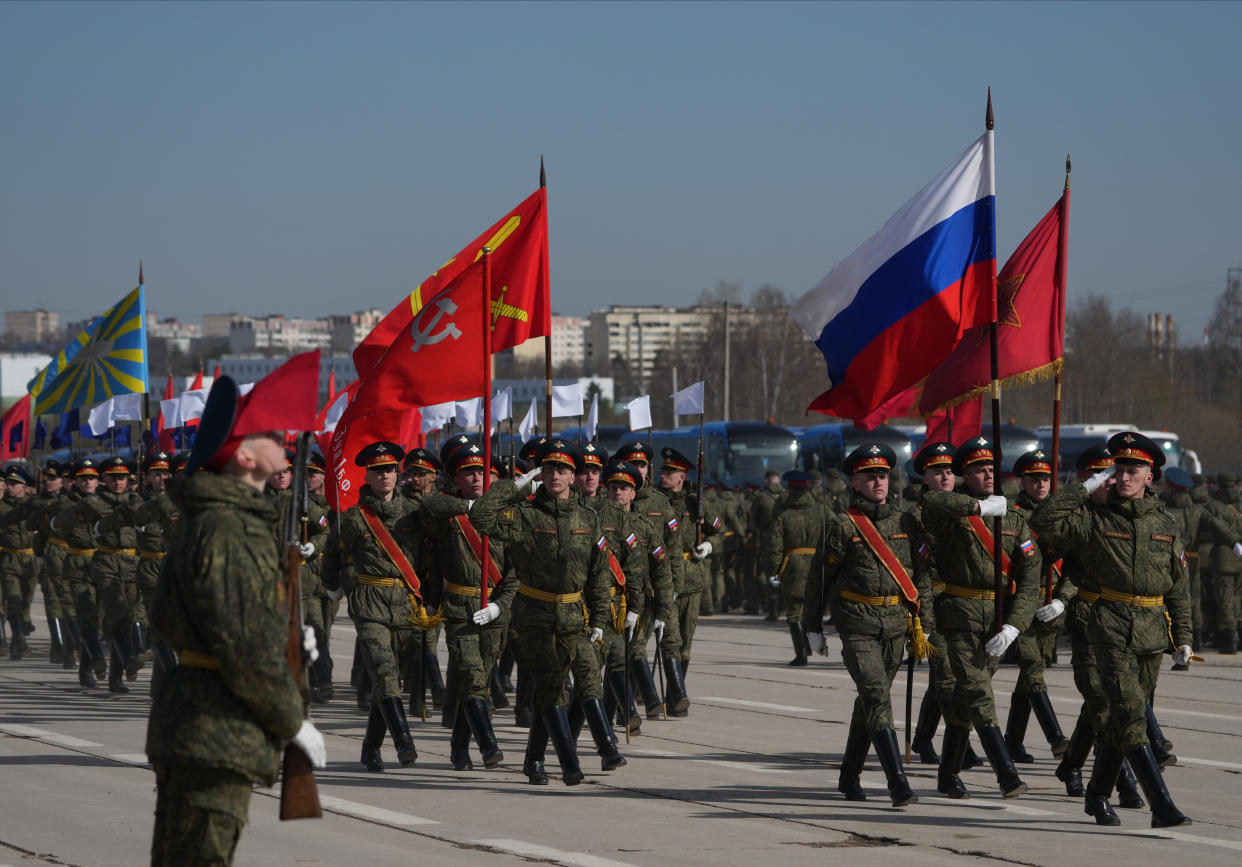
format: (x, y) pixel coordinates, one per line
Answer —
(426, 336)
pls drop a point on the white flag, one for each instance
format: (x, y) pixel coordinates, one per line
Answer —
(171, 410)
(101, 418)
(335, 411)
(688, 401)
(640, 412)
(567, 400)
(127, 407)
(191, 403)
(502, 405)
(592, 419)
(436, 415)
(469, 412)
(527, 428)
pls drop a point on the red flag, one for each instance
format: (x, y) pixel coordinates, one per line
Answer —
(1030, 293)
(15, 431)
(285, 399)
(331, 385)
(165, 437)
(520, 304)
(198, 381)
(967, 422)
(899, 406)
(217, 375)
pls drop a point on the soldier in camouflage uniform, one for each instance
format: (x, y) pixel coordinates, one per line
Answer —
(762, 514)
(652, 511)
(422, 469)
(475, 634)
(74, 536)
(318, 608)
(874, 583)
(792, 556)
(57, 598)
(1227, 563)
(696, 570)
(1129, 547)
(219, 718)
(19, 567)
(154, 520)
(382, 604)
(965, 610)
(557, 547)
(1036, 646)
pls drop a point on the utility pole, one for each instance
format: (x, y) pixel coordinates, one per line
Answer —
(725, 410)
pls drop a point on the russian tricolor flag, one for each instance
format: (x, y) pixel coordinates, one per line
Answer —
(894, 309)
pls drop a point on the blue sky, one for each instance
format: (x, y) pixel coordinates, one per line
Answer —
(319, 158)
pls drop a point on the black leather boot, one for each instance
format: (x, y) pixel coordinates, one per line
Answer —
(1164, 814)
(522, 716)
(4, 637)
(641, 672)
(1128, 790)
(1070, 769)
(85, 676)
(373, 740)
(323, 668)
(116, 674)
(17, 640)
(970, 759)
(72, 642)
(799, 643)
(557, 721)
(399, 728)
(993, 741)
(857, 743)
(1160, 745)
(435, 678)
(676, 702)
(1041, 706)
(603, 735)
(1227, 641)
(925, 730)
(886, 750)
(56, 650)
(459, 741)
(628, 711)
(123, 644)
(448, 699)
(1103, 777)
(774, 605)
(497, 689)
(142, 642)
(1015, 729)
(508, 659)
(484, 736)
(536, 747)
(952, 752)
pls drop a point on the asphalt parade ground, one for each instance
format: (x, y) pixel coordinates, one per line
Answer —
(748, 778)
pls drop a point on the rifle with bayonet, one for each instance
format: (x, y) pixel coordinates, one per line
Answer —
(299, 797)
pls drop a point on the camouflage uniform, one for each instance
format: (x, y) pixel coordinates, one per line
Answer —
(114, 570)
(656, 521)
(762, 514)
(695, 573)
(792, 545)
(19, 568)
(57, 597)
(1227, 567)
(218, 719)
(75, 537)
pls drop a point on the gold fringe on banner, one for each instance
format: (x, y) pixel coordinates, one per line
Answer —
(1030, 377)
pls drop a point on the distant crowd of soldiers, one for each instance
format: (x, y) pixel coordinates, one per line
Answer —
(590, 556)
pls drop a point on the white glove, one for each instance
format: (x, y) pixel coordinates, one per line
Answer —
(307, 550)
(774, 581)
(484, 616)
(1051, 611)
(1181, 656)
(631, 619)
(597, 635)
(334, 595)
(528, 478)
(701, 551)
(309, 644)
(310, 741)
(999, 643)
(1237, 548)
(817, 642)
(994, 506)
(1093, 484)
(658, 628)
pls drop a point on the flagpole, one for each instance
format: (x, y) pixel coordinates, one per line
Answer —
(998, 523)
(486, 434)
(547, 340)
(1062, 271)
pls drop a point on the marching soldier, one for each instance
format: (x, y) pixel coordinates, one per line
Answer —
(385, 597)
(318, 609)
(695, 570)
(1129, 546)
(594, 456)
(876, 572)
(762, 514)
(792, 556)
(965, 609)
(1227, 564)
(154, 520)
(219, 717)
(651, 509)
(67, 532)
(422, 471)
(475, 634)
(19, 567)
(57, 597)
(557, 547)
(1036, 646)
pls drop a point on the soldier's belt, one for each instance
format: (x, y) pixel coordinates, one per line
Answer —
(151, 555)
(461, 589)
(1140, 601)
(793, 551)
(544, 596)
(28, 552)
(194, 659)
(938, 585)
(52, 540)
(81, 552)
(124, 552)
(685, 555)
(870, 600)
(969, 592)
(730, 533)
(376, 581)
(1088, 596)
(1190, 555)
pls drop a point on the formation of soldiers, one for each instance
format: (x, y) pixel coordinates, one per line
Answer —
(588, 573)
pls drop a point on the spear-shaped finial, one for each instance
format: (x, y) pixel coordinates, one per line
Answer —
(543, 176)
(1067, 170)
(990, 120)
(140, 280)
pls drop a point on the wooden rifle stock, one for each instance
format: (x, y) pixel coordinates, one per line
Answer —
(299, 797)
